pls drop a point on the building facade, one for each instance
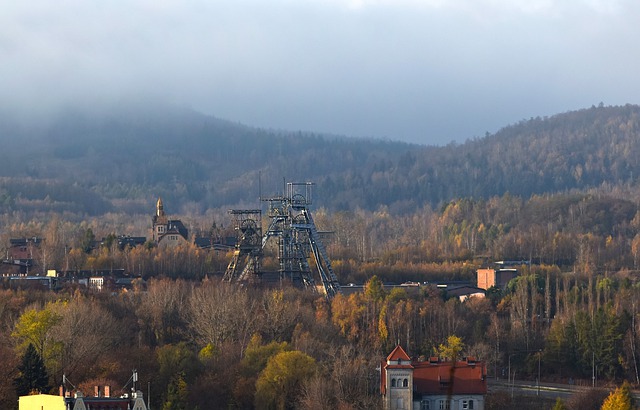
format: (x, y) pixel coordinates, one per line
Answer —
(78, 401)
(407, 384)
(499, 278)
(168, 232)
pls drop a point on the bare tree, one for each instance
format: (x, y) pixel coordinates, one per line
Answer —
(220, 312)
(163, 309)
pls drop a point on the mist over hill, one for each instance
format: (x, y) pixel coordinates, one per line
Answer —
(120, 158)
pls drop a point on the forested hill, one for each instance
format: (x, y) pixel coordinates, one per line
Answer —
(121, 159)
(575, 150)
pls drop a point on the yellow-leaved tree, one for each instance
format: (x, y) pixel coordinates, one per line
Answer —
(281, 380)
(620, 399)
(452, 349)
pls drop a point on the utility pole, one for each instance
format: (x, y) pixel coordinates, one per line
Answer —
(539, 354)
(509, 377)
(593, 369)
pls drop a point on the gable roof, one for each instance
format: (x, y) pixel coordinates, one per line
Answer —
(398, 353)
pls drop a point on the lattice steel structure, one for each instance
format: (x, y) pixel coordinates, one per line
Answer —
(245, 263)
(298, 241)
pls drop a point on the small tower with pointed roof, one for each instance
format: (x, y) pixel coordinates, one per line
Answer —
(167, 232)
(397, 384)
(159, 208)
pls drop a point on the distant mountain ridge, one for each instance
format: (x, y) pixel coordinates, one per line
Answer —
(119, 160)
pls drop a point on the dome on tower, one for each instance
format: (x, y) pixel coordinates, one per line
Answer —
(159, 207)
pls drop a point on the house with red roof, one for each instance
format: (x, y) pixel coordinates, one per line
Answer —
(411, 384)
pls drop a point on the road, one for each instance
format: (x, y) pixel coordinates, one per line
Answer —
(548, 390)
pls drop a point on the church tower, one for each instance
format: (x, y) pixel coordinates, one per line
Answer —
(159, 207)
(159, 222)
(398, 381)
(168, 232)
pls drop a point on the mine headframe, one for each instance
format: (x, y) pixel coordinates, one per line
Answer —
(245, 262)
(298, 238)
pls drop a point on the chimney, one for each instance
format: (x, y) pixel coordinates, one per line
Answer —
(96, 391)
(107, 391)
(61, 391)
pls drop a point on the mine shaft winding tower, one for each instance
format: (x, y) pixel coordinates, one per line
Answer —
(298, 240)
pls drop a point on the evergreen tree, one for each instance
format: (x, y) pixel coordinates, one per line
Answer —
(177, 394)
(33, 374)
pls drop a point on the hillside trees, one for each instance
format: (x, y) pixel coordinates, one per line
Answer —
(211, 342)
(429, 244)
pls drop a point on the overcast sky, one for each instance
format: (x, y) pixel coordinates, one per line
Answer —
(426, 71)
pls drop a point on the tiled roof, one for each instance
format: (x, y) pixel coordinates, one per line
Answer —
(398, 353)
(436, 378)
(433, 377)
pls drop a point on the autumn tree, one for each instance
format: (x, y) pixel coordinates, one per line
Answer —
(34, 328)
(452, 349)
(620, 399)
(177, 366)
(255, 359)
(281, 380)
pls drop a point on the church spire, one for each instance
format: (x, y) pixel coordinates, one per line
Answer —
(159, 207)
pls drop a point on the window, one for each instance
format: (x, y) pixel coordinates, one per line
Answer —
(425, 405)
(393, 382)
(441, 405)
(465, 404)
(405, 383)
(470, 404)
(400, 404)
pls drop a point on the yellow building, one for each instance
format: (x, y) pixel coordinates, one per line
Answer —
(100, 401)
(42, 402)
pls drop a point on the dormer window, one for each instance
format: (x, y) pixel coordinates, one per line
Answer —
(399, 361)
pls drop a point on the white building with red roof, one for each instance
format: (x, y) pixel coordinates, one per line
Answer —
(408, 384)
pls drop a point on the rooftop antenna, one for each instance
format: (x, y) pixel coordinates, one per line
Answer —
(133, 379)
(65, 381)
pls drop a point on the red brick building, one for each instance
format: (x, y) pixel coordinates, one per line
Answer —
(409, 384)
